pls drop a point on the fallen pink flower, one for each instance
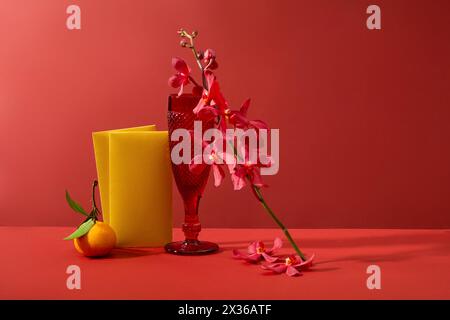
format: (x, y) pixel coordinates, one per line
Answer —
(256, 251)
(292, 265)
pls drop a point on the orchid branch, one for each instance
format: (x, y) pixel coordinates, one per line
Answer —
(184, 34)
(222, 116)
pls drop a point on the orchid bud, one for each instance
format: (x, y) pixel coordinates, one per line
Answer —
(210, 54)
(194, 33)
(209, 58)
(183, 43)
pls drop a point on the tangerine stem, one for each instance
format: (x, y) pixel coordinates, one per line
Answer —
(95, 210)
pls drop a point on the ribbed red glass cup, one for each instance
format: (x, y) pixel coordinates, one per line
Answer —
(190, 185)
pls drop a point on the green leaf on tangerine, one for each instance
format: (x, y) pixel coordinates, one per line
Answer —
(82, 230)
(75, 206)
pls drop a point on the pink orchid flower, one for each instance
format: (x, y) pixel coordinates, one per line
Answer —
(240, 172)
(216, 158)
(181, 78)
(256, 251)
(243, 171)
(239, 118)
(292, 265)
(212, 103)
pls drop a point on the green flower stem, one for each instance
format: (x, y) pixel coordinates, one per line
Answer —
(205, 85)
(194, 51)
(278, 222)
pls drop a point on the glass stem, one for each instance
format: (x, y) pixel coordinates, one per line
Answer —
(278, 221)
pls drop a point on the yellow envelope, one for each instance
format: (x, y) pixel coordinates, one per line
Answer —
(134, 175)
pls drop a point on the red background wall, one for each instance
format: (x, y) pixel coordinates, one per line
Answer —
(363, 115)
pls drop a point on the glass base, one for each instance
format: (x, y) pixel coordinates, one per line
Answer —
(191, 247)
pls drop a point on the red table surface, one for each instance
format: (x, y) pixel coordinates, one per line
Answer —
(415, 264)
